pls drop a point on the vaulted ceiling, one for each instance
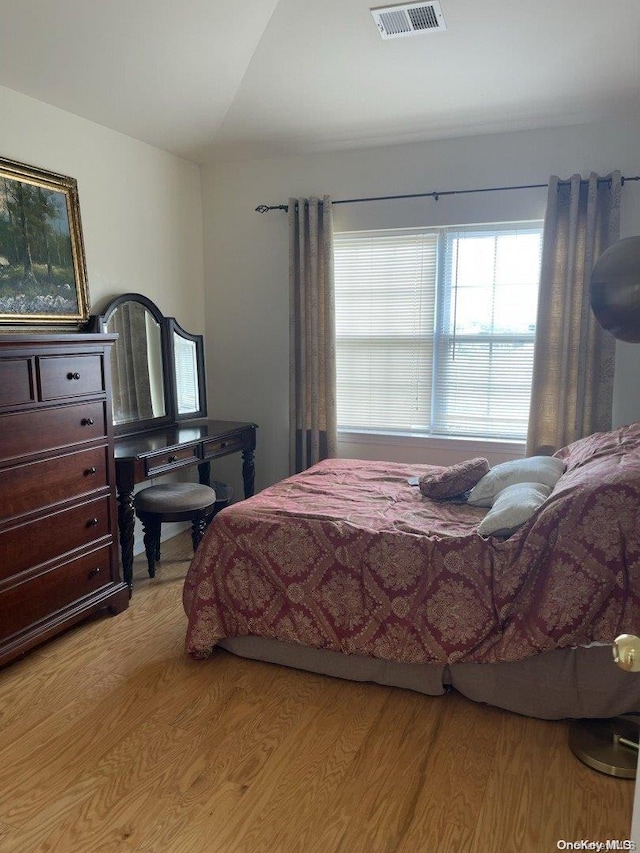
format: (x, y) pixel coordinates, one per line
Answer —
(210, 80)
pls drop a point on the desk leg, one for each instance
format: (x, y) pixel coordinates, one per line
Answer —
(248, 472)
(204, 473)
(126, 526)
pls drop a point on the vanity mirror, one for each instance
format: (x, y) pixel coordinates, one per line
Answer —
(157, 370)
(187, 360)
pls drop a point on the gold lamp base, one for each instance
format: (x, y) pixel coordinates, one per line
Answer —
(610, 746)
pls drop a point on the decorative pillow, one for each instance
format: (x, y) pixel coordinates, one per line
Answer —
(534, 469)
(512, 507)
(449, 482)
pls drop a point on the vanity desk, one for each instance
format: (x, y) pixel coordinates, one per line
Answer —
(156, 452)
(159, 408)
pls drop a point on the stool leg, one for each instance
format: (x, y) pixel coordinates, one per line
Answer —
(151, 529)
(197, 531)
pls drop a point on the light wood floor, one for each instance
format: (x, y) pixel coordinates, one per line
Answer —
(112, 739)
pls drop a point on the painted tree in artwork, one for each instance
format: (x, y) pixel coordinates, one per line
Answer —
(30, 213)
(36, 262)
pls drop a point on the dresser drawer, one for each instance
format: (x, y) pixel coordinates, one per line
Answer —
(69, 376)
(36, 485)
(222, 446)
(169, 460)
(16, 382)
(49, 536)
(46, 429)
(31, 600)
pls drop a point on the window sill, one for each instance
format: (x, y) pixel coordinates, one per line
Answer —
(473, 444)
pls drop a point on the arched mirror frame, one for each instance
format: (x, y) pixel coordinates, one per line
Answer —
(168, 326)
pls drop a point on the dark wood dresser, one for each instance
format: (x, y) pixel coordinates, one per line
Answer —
(58, 519)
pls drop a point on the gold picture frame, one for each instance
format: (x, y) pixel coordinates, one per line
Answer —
(43, 275)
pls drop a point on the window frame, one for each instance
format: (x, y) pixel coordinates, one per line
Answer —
(440, 336)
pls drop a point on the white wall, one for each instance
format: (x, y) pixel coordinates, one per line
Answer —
(141, 209)
(246, 256)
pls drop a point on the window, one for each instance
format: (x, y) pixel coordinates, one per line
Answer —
(435, 329)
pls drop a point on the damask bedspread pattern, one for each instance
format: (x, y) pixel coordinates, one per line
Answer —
(348, 556)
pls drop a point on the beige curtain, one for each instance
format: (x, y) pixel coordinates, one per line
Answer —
(312, 371)
(574, 359)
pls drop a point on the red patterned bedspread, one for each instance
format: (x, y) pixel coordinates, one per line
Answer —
(348, 556)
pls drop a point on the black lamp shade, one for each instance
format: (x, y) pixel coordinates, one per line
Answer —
(615, 290)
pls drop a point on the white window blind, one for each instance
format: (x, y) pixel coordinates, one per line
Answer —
(385, 313)
(435, 329)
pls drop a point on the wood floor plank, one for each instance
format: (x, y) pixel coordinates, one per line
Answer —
(318, 755)
(377, 804)
(114, 740)
(229, 758)
(425, 802)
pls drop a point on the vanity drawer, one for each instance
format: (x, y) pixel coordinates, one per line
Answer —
(16, 382)
(222, 446)
(169, 460)
(36, 598)
(30, 544)
(45, 429)
(70, 376)
(34, 485)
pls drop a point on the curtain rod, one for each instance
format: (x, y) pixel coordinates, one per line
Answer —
(264, 208)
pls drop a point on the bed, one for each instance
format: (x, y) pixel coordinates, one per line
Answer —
(349, 570)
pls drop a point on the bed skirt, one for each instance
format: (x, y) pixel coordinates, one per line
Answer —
(567, 683)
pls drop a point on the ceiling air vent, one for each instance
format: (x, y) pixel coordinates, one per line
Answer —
(409, 19)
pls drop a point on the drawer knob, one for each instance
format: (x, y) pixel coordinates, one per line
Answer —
(223, 444)
(93, 573)
(87, 422)
(73, 375)
(90, 471)
(173, 458)
(92, 522)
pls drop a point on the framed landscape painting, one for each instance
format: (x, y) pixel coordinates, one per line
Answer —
(43, 277)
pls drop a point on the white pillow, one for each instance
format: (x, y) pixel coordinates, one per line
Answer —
(512, 507)
(534, 469)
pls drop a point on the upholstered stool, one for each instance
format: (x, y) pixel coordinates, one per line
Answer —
(172, 502)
